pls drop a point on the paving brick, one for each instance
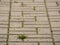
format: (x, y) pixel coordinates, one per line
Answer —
(22, 8)
(44, 31)
(39, 36)
(53, 13)
(16, 14)
(55, 24)
(22, 29)
(56, 32)
(38, 15)
(57, 43)
(42, 19)
(16, 24)
(46, 43)
(4, 18)
(16, 4)
(54, 20)
(36, 26)
(22, 0)
(4, 12)
(38, 39)
(5, 15)
(39, 0)
(3, 23)
(22, 18)
(55, 28)
(22, 43)
(3, 30)
(51, 4)
(4, 8)
(22, 32)
(2, 38)
(5, 0)
(40, 8)
(2, 43)
(36, 23)
(57, 37)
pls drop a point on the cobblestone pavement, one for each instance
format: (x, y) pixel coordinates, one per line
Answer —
(39, 20)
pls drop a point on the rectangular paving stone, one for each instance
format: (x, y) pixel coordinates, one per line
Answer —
(4, 12)
(22, 32)
(5, 0)
(16, 14)
(40, 9)
(22, 43)
(16, 4)
(38, 40)
(54, 20)
(36, 23)
(55, 24)
(56, 37)
(51, 4)
(36, 26)
(37, 15)
(5, 15)
(16, 24)
(22, 0)
(42, 19)
(46, 43)
(4, 8)
(3, 30)
(39, 0)
(2, 43)
(53, 13)
(22, 29)
(22, 8)
(3, 23)
(55, 28)
(57, 43)
(44, 31)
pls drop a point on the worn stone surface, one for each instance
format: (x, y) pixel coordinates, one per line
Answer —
(39, 20)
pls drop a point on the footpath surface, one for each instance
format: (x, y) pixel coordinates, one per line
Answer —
(39, 20)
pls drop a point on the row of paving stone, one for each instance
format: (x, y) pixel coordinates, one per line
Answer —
(28, 16)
